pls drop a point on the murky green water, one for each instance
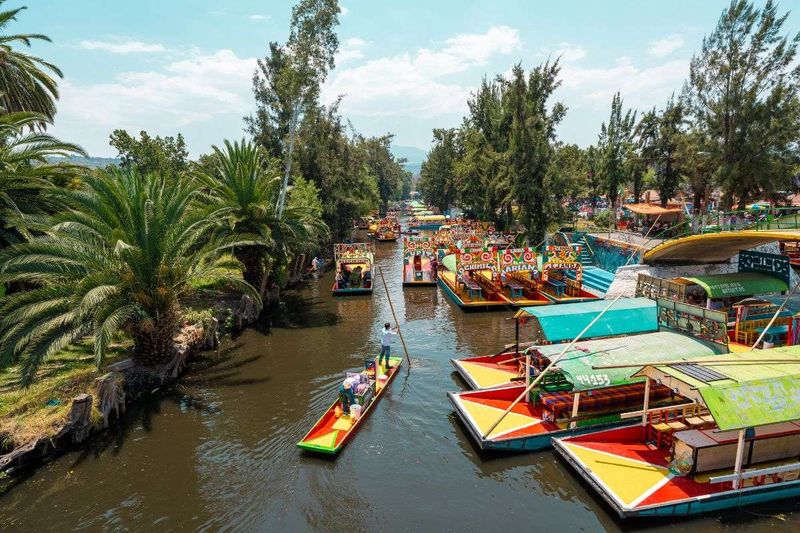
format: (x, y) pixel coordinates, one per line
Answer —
(219, 452)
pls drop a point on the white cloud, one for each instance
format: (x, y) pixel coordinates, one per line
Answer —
(201, 88)
(412, 83)
(664, 47)
(570, 52)
(122, 47)
(258, 17)
(640, 87)
(343, 10)
(350, 50)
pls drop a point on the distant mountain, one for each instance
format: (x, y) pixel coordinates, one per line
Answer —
(414, 169)
(90, 162)
(414, 155)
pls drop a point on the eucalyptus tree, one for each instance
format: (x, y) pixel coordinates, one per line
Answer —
(288, 80)
(123, 257)
(613, 143)
(437, 176)
(660, 134)
(531, 144)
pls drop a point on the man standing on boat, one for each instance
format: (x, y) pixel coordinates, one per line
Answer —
(387, 336)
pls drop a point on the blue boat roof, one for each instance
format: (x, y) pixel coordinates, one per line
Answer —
(565, 321)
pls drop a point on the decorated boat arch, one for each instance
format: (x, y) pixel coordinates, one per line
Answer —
(353, 263)
(419, 254)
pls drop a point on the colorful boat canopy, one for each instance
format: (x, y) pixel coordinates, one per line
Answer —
(739, 284)
(449, 262)
(578, 364)
(738, 392)
(565, 322)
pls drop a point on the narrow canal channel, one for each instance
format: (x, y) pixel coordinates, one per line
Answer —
(219, 453)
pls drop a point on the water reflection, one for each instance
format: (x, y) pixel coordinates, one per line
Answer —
(219, 451)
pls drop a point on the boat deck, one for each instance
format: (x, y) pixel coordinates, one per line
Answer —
(331, 433)
(480, 409)
(636, 480)
(489, 371)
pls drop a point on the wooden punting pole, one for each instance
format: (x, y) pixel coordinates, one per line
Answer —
(400, 333)
(550, 366)
(726, 362)
(775, 316)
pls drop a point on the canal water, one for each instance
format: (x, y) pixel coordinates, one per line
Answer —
(218, 453)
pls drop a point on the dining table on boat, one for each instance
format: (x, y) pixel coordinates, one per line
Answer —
(557, 286)
(773, 333)
(473, 289)
(515, 288)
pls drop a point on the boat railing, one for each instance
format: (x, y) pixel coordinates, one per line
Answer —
(781, 469)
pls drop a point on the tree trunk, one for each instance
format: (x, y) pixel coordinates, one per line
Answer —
(252, 258)
(153, 343)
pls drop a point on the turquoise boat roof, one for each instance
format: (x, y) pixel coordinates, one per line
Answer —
(564, 322)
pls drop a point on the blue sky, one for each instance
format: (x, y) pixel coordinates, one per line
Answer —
(405, 66)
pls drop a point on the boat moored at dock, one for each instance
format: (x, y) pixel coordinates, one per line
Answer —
(558, 324)
(574, 398)
(734, 443)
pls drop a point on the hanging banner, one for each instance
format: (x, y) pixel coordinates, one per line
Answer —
(477, 260)
(517, 260)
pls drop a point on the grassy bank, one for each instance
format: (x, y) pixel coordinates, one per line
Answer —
(42, 409)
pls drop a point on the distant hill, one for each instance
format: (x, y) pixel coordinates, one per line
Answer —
(413, 168)
(90, 162)
(415, 156)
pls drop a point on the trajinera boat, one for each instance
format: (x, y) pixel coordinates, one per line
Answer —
(574, 397)
(733, 442)
(419, 254)
(354, 264)
(331, 432)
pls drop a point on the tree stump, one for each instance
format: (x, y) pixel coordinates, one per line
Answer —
(111, 394)
(80, 417)
(246, 313)
(211, 335)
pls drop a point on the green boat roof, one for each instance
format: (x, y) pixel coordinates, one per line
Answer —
(739, 284)
(565, 322)
(741, 394)
(577, 364)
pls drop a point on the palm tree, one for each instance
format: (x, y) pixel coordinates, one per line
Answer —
(27, 82)
(240, 182)
(26, 175)
(123, 257)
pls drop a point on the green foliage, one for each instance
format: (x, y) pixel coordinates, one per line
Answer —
(498, 164)
(437, 177)
(338, 166)
(27, 83)
(742, 95)
(388, 171)
(164, 155)
(241, 186)
(660, 137)
(26, 176)
(122, 257)
(604, 219)
(531, 141)
(615, 145)
(304, 198)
